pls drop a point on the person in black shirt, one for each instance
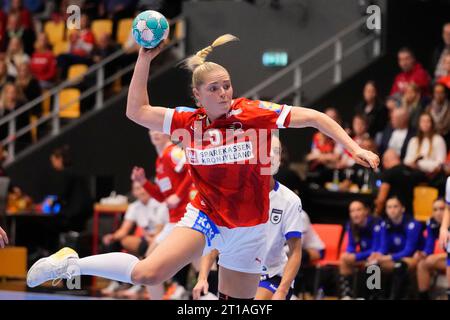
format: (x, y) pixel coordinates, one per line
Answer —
(397, 179)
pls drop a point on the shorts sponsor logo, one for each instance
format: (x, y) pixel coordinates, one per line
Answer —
(231, 153)
(275, 216)
(205, 226)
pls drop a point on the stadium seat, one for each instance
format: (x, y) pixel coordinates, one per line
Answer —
(60, 47)
(331, 236)
(123, 30)
(423, 202)
(76, 71)
(55, 31)
(101, 26)
(69, 105)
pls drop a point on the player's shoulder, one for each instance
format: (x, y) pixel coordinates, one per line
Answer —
(256, 105)
(286, 194)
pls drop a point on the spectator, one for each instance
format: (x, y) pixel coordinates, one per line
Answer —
(412, 72)
(116, 10)
(426, 151)
(362, 232)
(397, 135)
(445, 78)
(12, 98)
(72, 193)
(393, 102)
(441, 52)
(359, 133)
(15, 30)
(396, 179)
(4, 76)
(400, 237)
(413, 102)
(81, 44)
(27, 83)
(149, 216)
(430, 262)
(15, 56)
(23, 13)
(439, 108)
(373, 109)
(324, 152)
(43, 62)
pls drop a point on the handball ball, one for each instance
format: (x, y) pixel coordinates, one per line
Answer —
(150, 28)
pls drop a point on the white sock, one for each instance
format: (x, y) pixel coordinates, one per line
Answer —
(156, 292)
(115, 266)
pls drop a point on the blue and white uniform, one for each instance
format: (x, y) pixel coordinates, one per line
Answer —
(285, 222)
(401, 240)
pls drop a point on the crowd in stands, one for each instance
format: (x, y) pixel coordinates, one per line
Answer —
(409, 129)
(37, 49)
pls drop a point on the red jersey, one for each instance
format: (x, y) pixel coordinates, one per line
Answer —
(172, 176)
(229, 158)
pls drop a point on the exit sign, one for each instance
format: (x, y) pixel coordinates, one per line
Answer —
(275, 59)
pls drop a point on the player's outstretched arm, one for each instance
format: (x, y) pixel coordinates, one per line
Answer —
(138, 106)
(305, 117)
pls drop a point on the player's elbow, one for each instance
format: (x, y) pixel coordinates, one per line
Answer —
(304, 117)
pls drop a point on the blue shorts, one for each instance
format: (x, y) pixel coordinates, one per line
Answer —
(272, 284)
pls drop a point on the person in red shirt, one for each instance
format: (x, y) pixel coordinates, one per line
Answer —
(43, 62)
(173, 184)
(412, 71)
(227, 143)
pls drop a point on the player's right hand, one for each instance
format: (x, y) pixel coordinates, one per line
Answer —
(151, 53)
(3, 238)
(201, 286)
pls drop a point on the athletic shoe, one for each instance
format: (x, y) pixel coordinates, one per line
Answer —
(54, 267)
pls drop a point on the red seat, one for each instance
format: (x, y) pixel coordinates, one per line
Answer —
(330, 234)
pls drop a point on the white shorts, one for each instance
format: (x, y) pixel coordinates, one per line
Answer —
(166, 230)
(240, 249)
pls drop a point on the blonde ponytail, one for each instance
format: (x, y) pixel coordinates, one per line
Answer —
(199, 58)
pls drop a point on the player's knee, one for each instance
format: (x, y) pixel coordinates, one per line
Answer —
(146, 275)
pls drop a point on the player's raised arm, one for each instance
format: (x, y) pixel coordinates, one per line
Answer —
(138, 106)
(305, 117)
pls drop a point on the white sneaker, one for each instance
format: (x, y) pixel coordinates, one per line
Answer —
(54, 267)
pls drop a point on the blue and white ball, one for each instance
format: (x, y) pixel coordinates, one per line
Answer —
(150, 28)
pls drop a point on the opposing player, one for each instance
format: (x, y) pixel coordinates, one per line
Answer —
(232, 177)
(284, 227)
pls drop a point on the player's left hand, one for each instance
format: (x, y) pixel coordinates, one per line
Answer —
(366, 158)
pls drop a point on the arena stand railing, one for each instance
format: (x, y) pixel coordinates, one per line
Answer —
(176, 43)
